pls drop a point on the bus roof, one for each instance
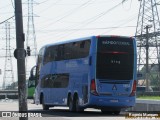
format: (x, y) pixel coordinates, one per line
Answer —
(84, 38)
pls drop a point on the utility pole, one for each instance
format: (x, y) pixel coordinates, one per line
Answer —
(20, 54)
(147, 58)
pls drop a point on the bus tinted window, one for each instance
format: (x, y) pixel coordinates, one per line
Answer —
(115, 58)
(67, 51)
(55, 81)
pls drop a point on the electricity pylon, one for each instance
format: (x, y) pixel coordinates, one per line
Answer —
(8, 77)
(31, 37)
(148, 41)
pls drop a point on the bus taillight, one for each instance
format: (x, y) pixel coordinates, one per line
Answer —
(133, 93)
(93, 87)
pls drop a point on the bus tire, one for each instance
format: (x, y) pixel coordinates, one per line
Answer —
(45, 107)
(71, 104)
(78, 108)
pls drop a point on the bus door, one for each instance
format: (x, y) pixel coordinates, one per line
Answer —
(114, 66)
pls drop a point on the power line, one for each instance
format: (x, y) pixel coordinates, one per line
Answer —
(83, 29)
(91, 20)
(51, 5)
(6, 20)
(62, 30)
(130, 19)
(88, 21)
(71, 30)
(69, 13)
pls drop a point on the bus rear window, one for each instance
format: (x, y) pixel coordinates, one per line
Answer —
(115, 58)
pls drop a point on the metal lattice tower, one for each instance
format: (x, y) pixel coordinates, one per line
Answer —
(31, 37)
(8, 77)
(148, 41)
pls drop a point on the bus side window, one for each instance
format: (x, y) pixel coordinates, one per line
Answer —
(74, 50)
(82, 44)
(60, 52)
(53, 54)
(55, 81)
(47, 56)
(67, 51)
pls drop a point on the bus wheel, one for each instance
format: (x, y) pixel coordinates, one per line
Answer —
(45, 107)
(71, 105)
(78, 108)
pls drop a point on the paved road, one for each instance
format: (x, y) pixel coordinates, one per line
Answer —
(58, 113)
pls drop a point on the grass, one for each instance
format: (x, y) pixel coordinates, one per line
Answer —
(149, 97)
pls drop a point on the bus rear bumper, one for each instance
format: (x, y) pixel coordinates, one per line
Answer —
(100, 102)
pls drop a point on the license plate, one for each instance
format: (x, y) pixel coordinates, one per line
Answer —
(114, 101)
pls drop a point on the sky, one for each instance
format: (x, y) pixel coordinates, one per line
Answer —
(61, 20)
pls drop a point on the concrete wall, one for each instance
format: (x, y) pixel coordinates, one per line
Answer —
(146, 106)
(9, 96)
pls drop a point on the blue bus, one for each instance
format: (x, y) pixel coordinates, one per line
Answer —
(92, 72)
